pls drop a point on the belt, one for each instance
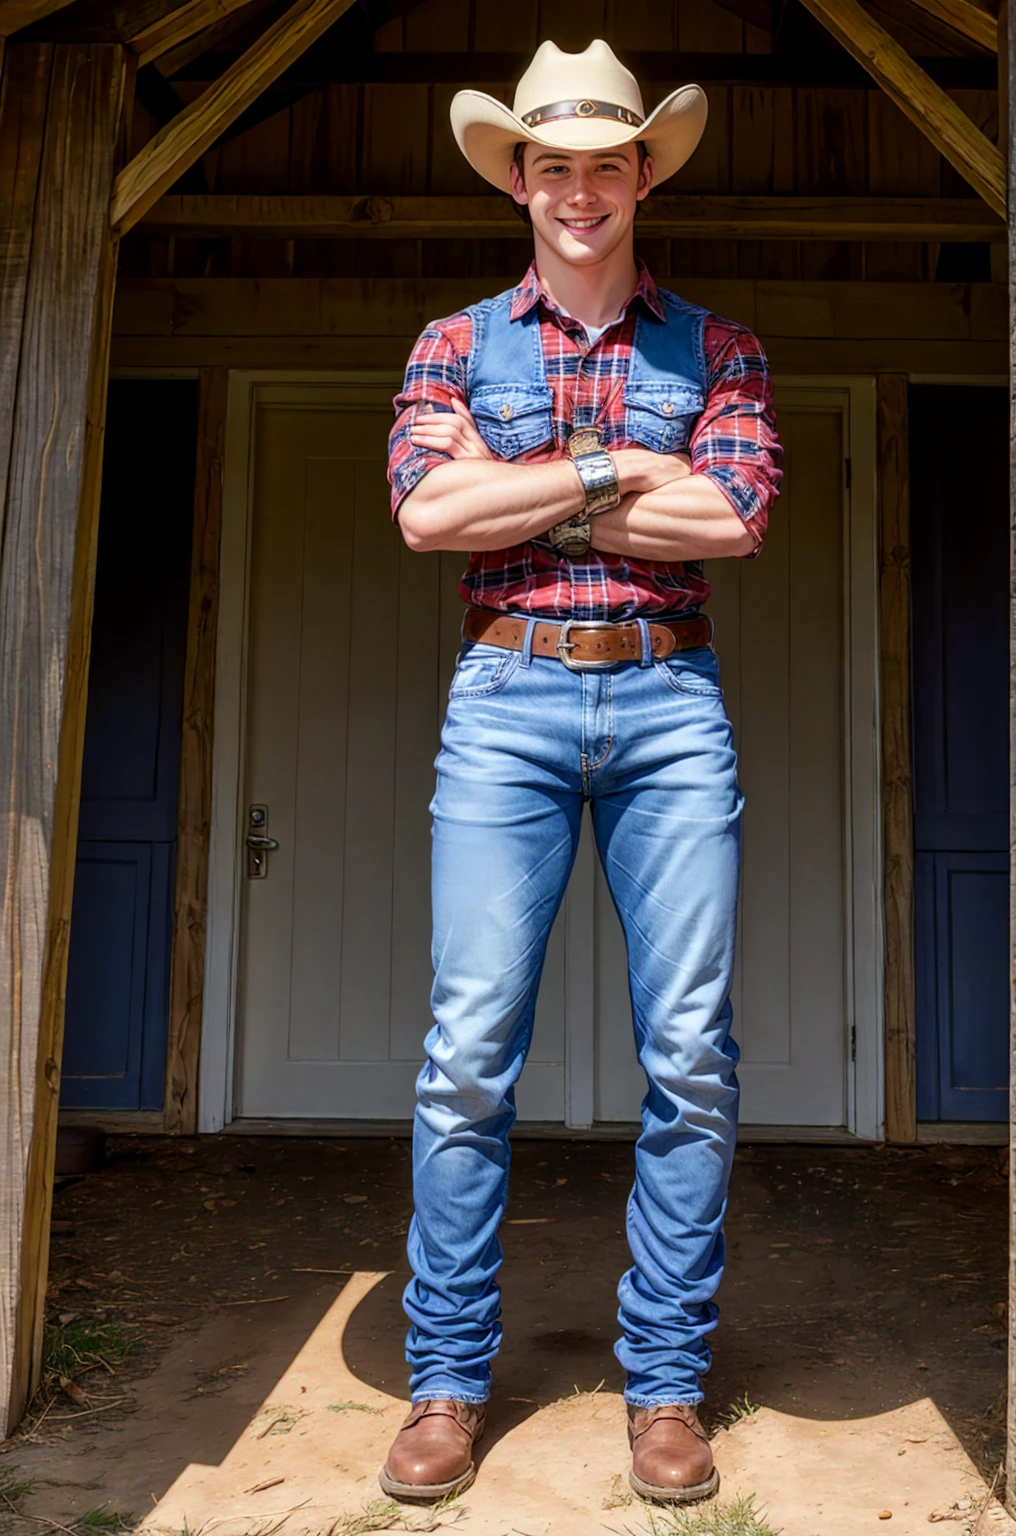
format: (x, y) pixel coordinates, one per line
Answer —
(586, 645)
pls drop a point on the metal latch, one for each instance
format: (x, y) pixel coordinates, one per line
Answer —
(259, 844)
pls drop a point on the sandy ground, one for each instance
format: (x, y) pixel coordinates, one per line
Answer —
(863, 1319)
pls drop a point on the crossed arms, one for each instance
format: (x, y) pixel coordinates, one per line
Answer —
(476, 502)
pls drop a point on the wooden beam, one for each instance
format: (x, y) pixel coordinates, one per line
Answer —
(187, 966)
(151, 42)
(46, 588)
(22, 116)
(938, 117)
(688, 218)
(897, 761)
(1010, 135)
(15, 14)
(186, 52)
(970, 21)
(177, 146)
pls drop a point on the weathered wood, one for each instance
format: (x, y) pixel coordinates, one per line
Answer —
(689, 217)
(187, 967)
(970, 21)
(177, 146)
(152, 41)
(318, 308)
(46, 589)
(22, 115)
(897, 761)
(916, 94)
(1010, 1452)
(15, 14)
(184, 53)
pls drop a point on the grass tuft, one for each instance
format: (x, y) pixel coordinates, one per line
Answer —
(740, 1518)
(386, 1515)
(348, 1406)
(741, 1408)
(70, 1349)
(13, 1487)
(105, 1519)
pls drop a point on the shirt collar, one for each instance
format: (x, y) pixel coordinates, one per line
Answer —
(531, 292)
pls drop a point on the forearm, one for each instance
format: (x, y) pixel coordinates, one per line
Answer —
(477, 504)
(688, 519)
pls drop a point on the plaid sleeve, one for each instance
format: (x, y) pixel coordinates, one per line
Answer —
(435, 373)
(735, 441)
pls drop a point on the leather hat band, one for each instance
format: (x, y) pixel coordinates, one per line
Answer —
(582, 109)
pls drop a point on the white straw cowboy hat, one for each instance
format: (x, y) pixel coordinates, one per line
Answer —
(576, 101)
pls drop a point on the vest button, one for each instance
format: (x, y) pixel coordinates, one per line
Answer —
(506, 412)
(667, 407)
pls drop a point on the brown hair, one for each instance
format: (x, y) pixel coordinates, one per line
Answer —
(519, 158)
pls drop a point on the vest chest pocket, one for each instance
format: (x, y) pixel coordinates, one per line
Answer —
(662, 416)
(513, 418)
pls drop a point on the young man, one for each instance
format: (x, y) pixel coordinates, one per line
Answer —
(590, 440)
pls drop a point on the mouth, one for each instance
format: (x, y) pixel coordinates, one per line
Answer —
(582, 226)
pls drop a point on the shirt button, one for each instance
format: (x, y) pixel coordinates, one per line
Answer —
(506, 412)
(667, 407)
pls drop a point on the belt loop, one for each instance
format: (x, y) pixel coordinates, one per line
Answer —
(646, 656)
(527, 644)
(712, 631)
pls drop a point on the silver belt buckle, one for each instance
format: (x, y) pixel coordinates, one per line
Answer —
(565, 646)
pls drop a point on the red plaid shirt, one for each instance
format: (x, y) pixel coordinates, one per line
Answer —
(734, 442)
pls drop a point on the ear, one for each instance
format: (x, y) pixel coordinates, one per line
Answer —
(519, 192)
(645, 180)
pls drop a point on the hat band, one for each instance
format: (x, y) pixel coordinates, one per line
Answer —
(582, 109)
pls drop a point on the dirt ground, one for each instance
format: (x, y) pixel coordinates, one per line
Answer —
(858, 1382)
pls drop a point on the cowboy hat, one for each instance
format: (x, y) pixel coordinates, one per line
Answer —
(576, 101)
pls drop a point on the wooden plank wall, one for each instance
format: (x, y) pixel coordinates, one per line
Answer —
(395, 138)
(46, 587)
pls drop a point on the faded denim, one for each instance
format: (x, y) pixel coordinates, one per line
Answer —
(525, 743)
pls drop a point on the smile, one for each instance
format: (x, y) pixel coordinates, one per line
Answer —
(593, 223)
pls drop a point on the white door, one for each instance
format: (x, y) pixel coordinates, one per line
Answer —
(351, 642)
(780, 635)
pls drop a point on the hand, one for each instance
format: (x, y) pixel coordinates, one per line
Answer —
(641, 469)
(451, 432)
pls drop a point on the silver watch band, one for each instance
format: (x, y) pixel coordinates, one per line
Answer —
(599, 480)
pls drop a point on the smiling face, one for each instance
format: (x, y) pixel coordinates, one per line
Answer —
(582, 202)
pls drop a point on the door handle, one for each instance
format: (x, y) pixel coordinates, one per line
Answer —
(259, 844)
(258, 840)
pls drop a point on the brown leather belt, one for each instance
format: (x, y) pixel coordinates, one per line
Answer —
(586, 646)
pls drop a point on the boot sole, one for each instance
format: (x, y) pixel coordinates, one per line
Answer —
(690, 1495)
(426, 1493)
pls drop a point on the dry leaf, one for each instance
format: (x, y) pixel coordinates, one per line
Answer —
(73, 1391)
(273, 1482)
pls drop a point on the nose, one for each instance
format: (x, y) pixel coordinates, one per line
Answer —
(582, 192)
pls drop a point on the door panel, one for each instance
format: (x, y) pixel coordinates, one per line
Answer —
(780, 638)
(118, 978)
(960, 561)
(352, 644)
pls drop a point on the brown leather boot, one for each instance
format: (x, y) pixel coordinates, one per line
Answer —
(672, 1459)
(432, 1454)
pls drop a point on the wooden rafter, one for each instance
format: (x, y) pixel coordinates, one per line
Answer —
(177, 146)
(173, 30)
(184, 53)
(938, 117)
(15, 14)
(970, 21)
(691, 217)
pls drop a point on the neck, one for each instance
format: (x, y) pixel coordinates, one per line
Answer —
(594, 294)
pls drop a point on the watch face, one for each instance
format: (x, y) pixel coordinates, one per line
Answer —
(585, 440)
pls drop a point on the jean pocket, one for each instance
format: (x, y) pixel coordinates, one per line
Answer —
(482, 670)
(694, 673)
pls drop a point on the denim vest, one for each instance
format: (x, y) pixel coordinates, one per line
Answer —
(512, 403)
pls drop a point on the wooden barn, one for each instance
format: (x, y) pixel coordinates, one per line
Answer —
(223, 224)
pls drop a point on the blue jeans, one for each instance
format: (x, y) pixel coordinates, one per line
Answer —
(525, 742)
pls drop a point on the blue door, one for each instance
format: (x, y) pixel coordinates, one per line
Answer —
(959, 521)
(118, 972)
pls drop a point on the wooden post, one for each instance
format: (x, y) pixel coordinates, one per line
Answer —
(46, 589)
(1006, 142)
(190, 904)
(897, 765)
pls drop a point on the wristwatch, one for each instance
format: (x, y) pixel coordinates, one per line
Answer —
(596, 470)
